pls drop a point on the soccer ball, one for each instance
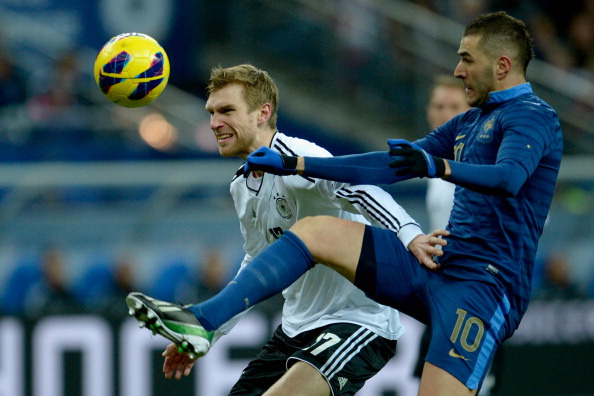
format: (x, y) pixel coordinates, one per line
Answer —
(132, 69)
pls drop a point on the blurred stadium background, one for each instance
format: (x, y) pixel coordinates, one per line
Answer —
(97, 200)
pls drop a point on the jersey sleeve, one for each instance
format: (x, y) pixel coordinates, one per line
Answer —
(504, 178)
(375, 205)
(380, 209)
(526, 137)
(369, 168)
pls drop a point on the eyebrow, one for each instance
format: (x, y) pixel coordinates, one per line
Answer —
(224, 107)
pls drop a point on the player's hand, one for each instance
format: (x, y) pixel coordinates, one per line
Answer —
(176, 363)
(426, 247)
(410, 159)
(270, 161)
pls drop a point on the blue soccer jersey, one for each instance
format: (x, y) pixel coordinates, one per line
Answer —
(505, 158)
(499, 211)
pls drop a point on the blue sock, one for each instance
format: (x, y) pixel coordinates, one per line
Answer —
(276, 268)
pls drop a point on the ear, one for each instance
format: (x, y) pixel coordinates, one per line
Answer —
(503, 67)
(265, 113)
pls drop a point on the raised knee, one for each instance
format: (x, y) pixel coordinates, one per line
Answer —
(308, 224)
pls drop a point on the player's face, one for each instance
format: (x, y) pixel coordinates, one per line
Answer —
(444, 104)
(476, 71)
(234, 125)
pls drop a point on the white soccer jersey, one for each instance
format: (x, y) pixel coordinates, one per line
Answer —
(270, 205)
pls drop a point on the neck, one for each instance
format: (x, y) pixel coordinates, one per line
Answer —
(510, 81)
(263, 139)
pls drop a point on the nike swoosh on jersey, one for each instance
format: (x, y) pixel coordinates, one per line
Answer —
(455, 355)
(460, 137)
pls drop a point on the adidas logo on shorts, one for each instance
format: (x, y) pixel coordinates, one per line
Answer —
(342, 381)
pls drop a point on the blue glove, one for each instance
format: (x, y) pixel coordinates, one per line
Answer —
(270, 161)
(410, 159)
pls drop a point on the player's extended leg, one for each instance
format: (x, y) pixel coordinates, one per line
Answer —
(325, 239)
(332, 241)
(273, 270)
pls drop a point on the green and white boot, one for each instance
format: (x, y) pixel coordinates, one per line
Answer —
(172, 321)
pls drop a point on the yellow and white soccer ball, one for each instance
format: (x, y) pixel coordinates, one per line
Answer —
(132, 69)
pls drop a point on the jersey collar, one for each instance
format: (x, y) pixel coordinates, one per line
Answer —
(505, 95)
(275, 137)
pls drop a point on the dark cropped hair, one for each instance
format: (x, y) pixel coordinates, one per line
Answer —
(502, 34)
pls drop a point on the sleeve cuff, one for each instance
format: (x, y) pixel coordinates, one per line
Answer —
(408, 232)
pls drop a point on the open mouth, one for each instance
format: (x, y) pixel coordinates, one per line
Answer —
(221, 137)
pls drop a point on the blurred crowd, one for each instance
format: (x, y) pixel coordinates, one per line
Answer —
(48, 114)
(57, 113)
(48, 283)
(563, 31)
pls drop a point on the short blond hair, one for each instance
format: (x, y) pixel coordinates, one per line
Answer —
(260, 88)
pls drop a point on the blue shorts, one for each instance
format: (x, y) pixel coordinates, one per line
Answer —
(468, 319)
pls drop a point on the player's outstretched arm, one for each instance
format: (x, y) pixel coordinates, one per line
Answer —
(176, 364)
(505, 177)
(368, 168)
